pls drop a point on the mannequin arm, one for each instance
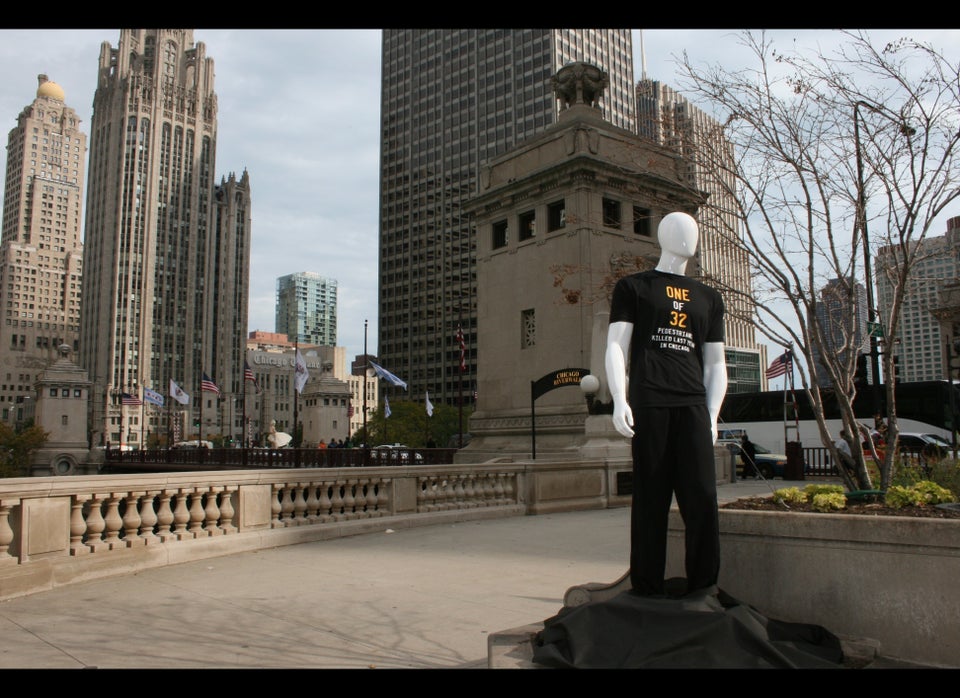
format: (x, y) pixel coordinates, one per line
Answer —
(618, 348)
(714, 380)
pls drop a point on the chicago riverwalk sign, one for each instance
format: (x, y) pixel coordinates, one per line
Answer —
(557, 379)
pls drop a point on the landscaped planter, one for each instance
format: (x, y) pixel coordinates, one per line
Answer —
(892, 579)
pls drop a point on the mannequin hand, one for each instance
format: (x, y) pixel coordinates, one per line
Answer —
(623, 418)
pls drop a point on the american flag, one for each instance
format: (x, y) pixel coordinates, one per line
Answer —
(128, 399)
(207, 385)
(781, 365)
(248, 376)
(463, 349)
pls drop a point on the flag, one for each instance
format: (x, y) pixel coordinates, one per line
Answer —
(300, 373)
(176, 392)
(429, 405)
(153, 397)
(207, 385)
(349, 410)
(387, 376)
(463, 349)
(781, 365)
(248, 376)
(128, 399)
(386, 407)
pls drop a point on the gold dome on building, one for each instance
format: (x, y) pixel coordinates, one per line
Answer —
(49, 88)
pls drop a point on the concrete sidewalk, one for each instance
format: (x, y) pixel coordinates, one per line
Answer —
(427, 597)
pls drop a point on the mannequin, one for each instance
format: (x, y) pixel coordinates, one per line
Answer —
(668, 328)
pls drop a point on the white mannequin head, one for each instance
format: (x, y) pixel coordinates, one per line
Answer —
(678, 235)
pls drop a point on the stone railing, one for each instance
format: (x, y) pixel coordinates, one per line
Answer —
(55, 530)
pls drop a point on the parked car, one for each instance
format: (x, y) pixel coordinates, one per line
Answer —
(769, 464)
(394, 454)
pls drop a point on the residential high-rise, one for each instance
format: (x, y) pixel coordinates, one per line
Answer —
(842, 313)
(168, 249)
(451, 100)
(307, 308)
(920, 350)
(41, 253)
(669, 119)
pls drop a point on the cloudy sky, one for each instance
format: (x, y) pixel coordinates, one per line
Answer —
(299, 110)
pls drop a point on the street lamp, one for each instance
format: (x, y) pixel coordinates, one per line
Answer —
(862, 220)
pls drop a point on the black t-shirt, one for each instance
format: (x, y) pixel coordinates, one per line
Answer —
(673, 316)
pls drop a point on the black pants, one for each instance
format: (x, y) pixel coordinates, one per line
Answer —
(673, 454)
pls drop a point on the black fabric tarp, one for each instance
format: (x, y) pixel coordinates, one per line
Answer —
(706, 630)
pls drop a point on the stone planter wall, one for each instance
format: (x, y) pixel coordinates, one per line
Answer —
(892, 579)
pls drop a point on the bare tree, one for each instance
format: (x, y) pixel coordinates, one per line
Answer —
(827, 148)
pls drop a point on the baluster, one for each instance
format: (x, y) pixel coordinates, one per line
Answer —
(371, 497)
(336, 502)
(507, 480)
(469, 492)
(77, 525)
(451, 495)
(324, 502)
(300, 503)
(95, 524)
(212, 512)
(131, 520)
(312, 502)
(113, 521)
(181, 515)
(226, 510)
(275, 508)
(6, 532)
(286, 505)
(383, 500)
(197, 515)
(148, 518)
(489, 490)
(165, 516)
(349, 500)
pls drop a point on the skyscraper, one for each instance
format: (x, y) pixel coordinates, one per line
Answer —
(669, 119)
(842, 314)
(450, 101)
(921, 338)
(307, 308)
(40, 249)
(168, 248)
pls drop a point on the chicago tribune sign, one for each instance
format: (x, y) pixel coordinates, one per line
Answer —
(262, 358)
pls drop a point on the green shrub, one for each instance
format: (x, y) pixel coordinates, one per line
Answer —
(791, 495)
(829, 501)
(918, 495)
(812, 491)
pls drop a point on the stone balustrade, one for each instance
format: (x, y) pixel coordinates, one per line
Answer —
(54, 530)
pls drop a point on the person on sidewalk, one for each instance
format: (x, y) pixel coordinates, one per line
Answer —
(671, 328)
(748, 457)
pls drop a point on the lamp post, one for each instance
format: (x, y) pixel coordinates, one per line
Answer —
(862, 220)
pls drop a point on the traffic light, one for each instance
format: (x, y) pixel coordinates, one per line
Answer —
(860, 376)
(896, 369)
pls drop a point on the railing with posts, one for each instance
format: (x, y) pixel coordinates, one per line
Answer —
(165, 459)
(59, 529)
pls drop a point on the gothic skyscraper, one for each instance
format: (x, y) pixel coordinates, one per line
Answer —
(167, 247)
(41, 250)
(450, 101)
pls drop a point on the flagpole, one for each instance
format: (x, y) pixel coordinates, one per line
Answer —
(366, 368)
(143, 444)
(243, 421)
(296, 393)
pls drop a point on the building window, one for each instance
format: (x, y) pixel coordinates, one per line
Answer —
(63, 420)
(611, 213)
(556, 215)
(501, 234)
(642, 221)
(528, 328)
(53, 392)
(528, 225)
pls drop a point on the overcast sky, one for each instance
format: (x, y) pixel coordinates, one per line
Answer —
(299, 110)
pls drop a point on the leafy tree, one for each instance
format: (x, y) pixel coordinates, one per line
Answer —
(825, 149)
(409, 424)
(17, 448)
